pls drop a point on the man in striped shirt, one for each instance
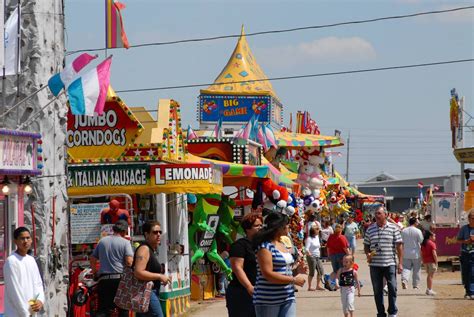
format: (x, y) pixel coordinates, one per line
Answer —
(382, 245)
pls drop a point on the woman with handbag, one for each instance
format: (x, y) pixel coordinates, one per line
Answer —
(274, 293)
(148, 268)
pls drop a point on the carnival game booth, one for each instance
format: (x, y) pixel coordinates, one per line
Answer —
(116, 156)
(446, 210)
(239, 92)
(20, 161)
(221, 213)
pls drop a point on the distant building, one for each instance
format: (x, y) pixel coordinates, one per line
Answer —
(402, 194)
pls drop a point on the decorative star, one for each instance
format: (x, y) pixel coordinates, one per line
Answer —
(137, 152)
(237, 65)
(151, 152)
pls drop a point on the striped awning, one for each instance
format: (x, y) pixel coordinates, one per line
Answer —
(298, 140)
(237, 174)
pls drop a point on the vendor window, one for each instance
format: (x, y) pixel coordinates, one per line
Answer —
(176, 222)
(146, 211)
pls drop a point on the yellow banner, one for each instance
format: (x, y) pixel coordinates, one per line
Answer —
(134, 178)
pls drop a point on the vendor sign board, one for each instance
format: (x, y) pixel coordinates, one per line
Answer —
(85, 222)
(446, 241)
(186, 178)
(103, 136)
(443, 208)
(234, 108)
(208, 236)
(18, 152)
(143, 178)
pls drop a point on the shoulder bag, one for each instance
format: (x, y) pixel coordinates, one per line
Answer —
(132, 293)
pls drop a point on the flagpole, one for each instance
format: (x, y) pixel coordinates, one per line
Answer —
(18, 63)
(24, 124)
(23, 100)
(4, 102)
(106, 25)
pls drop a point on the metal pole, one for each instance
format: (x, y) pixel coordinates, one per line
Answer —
(463, 181)
(347, 158)
(4, 99)
(18, 62)
(106, 25)
(22, 101)
(19, 127)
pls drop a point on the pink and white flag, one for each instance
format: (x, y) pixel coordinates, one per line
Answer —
(69, 73)
(87, 94)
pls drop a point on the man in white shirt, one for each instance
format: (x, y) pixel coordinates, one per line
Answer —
(24, 294)
(412, 239)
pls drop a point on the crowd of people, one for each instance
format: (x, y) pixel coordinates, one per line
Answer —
(262, 263)
(264, 282)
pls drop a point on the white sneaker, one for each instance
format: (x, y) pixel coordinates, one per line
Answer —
(392, 315)
(430, 292)
(404, 284)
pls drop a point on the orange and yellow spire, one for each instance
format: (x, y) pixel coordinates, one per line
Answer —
(243, 68)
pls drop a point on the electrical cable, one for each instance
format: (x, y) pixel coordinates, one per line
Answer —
(213, 38)
(300, 76)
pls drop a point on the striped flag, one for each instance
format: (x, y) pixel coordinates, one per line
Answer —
(87, 94)
(246, 131)
(69, 73)
(191, 135)
(290, 129)
(254, 130)
(261, 138)
(217, 129)
(420, 194)
(270, 136)
(114, 31)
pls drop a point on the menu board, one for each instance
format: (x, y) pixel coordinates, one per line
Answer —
(85, 222)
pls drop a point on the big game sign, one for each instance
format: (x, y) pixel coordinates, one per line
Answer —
(237, 109)
(104, 136)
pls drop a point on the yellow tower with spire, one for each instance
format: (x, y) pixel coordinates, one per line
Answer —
(240, 90)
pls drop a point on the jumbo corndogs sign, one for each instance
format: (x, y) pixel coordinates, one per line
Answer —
(144, 178)
(101, 137)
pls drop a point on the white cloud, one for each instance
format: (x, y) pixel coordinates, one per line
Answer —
(328, 49)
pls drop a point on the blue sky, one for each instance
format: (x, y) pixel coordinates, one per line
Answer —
(398, 120)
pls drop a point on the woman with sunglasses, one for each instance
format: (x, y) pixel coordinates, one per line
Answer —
(244, 268)
(274, 294)
(148, 268)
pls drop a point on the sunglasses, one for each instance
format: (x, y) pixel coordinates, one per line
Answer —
(157, 231)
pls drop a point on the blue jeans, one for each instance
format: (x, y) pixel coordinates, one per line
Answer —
(467, 272)
(352, 242)
(154, 310)
(377, 274)
(336, 261)
(287, 309)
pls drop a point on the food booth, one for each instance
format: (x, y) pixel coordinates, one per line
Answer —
(144, 167)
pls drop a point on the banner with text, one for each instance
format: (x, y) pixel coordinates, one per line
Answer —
(144, 178)
(236, 109)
